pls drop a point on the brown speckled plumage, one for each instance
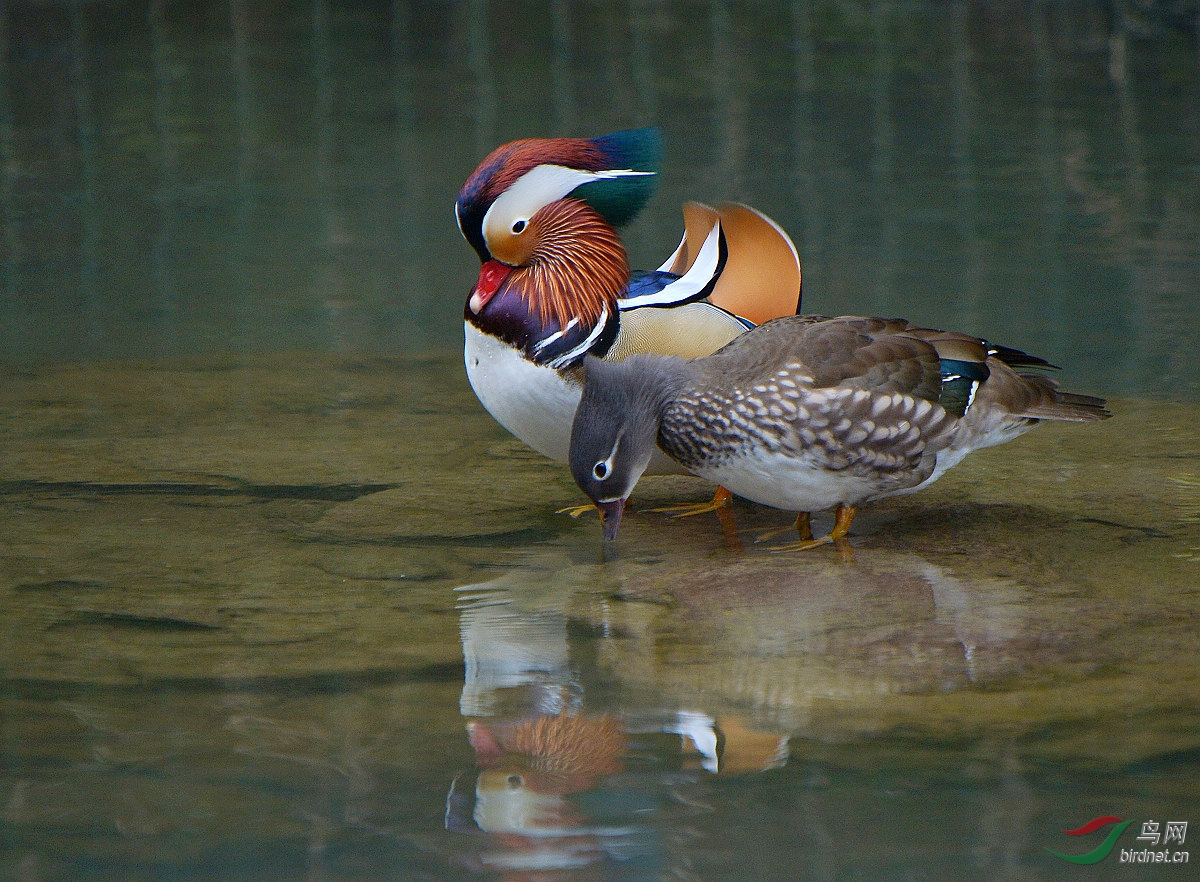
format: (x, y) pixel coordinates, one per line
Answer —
(837, 428)
(807, 412)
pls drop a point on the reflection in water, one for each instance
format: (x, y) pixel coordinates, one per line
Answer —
(506, 650)
(528, 770)
(535, 744)
(231, 641)
(538, 743)
(579, 708)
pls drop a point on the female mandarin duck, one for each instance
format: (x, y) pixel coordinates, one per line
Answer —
(806, 413)
(555, 285)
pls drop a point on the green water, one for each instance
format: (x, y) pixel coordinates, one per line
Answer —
(271, 581)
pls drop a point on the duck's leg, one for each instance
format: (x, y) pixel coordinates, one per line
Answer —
(803, 529)
(686, 509)
(841, 521)
(729, 528)
(841, 527)
(804, 526)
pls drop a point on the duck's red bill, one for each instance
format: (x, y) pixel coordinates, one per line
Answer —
(491, 276)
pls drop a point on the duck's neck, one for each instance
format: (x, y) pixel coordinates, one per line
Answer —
(578, 267)
(654, 380)
(562, 304)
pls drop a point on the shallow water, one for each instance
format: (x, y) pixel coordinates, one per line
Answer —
(279, 599)
(237, 608)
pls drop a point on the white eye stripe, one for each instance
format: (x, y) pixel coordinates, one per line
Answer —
(603, 470)
(536, 189)
(617, 443)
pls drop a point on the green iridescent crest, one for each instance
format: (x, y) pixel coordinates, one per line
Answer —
(619, 197)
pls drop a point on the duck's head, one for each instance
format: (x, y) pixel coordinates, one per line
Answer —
(616, 428)
(541, 212)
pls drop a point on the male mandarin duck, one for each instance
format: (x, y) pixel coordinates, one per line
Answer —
(555, 285)
(807, 413)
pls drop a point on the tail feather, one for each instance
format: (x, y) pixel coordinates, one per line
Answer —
(1051, 403)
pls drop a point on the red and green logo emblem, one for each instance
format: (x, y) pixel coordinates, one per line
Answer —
(1100, 852)
(1175, 832)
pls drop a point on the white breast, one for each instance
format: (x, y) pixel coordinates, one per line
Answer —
(536, 404)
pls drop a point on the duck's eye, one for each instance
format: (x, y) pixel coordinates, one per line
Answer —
(601, 470)
(514, 782)
(519, 227)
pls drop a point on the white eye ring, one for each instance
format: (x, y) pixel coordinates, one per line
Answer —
(519, 226)
(601, 470)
